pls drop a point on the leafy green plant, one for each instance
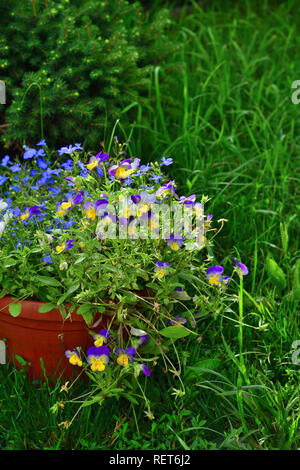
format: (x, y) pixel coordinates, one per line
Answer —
(73, 66)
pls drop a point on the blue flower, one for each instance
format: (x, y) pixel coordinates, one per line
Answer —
(166, 161)
(156, 178)
(30, 153)
(5, 161)
(47, 259)
(3, 179)
(41, 163)
(15, 168)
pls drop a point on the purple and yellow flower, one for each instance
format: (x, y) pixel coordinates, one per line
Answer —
(95, 160)
(190, 200)
(241, 268)
(98, 357)
(214, 275)
(64, 206)
(101, 338)
(92, 210)
(64, 246)
(161, 269)
(181, 294)
(74, 357)
(29, 212)
(124, 169)
(125, 356)
(177, 321)
(175, 242)
(166, 189)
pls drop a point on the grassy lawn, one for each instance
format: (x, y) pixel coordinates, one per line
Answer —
(230, 125)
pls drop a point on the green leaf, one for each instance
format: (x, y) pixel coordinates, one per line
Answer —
(47, 281)
(174, 332)
(211, 364)
(20, 360)
(84, 308)
(296, 281)
(46, 308)
(275, 273)
(15, 309)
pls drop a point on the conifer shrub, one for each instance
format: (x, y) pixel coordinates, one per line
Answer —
(72, 67)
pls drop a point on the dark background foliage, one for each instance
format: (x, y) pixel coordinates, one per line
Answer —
(79, 65)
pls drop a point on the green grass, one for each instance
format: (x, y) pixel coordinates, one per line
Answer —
(233, 132)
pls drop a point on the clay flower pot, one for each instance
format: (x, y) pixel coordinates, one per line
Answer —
(33, 335)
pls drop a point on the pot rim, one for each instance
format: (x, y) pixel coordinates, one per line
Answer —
(30, 311)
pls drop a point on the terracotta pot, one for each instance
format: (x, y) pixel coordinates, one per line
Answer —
(33, 335)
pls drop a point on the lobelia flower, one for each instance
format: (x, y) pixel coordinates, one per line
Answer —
(98, 358)
(74, 357)
(47, 259)
(6, 161)
(161, 269)
(166, 161)
(241, 268)
(101, 338)
(175, 243)
(30, 153)
(125, 355)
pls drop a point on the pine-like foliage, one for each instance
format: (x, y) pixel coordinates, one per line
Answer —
(76, 63)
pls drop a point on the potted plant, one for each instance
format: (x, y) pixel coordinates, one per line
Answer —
(97, 243)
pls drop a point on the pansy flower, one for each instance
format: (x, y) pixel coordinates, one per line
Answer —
(141, 368)
(214, 275)
(124, 168)
(175, 242)
(166, 189)
(181, 294)
(98, 358)
(64, 206)
(74, 357)
(64, 246)
(125, 356)
(161, 269)
(29, 212)
(177, 321)
(241, 268)
(92, 210)
(190, 200)
(101, 338)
